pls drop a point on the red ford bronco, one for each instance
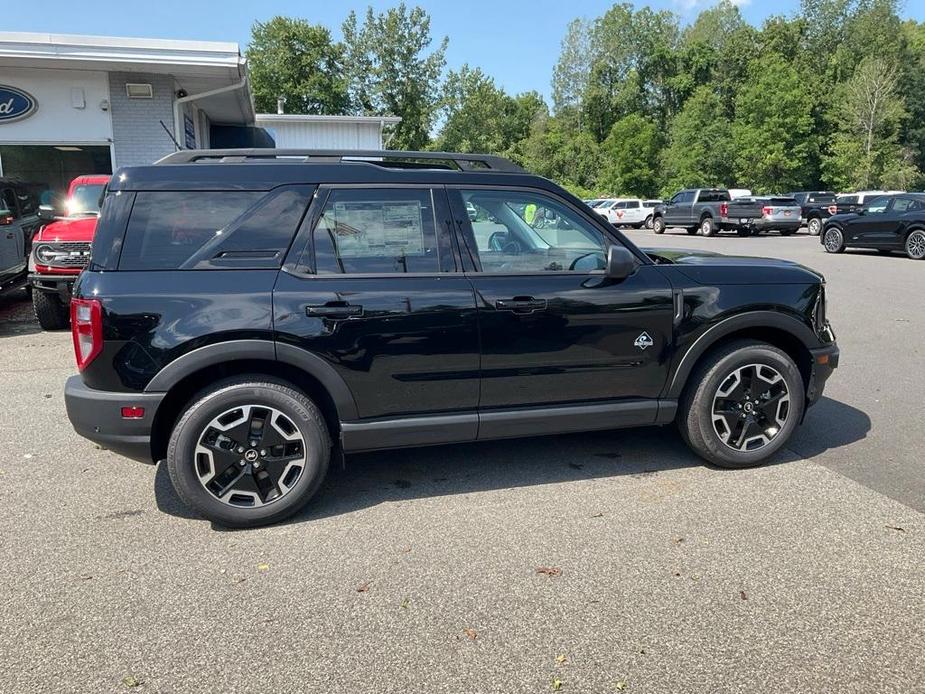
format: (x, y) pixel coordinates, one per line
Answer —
(61, 249)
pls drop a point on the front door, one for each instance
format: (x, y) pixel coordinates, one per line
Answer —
(376, 294)
(553, 330)
(678, 209)
(12, 235)
(872, 225)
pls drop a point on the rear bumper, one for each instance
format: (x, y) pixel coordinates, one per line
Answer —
(97, 415)
(825, 361)
(772, 225)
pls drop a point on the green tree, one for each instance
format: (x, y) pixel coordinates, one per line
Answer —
(555, 151)
(391, 71)
(866, 152)
(700, 147)
(630, 157)
(572, 72)
(478, 116)
(299, 61)
(773, 128)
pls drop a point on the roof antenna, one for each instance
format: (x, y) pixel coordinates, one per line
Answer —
(170, 135)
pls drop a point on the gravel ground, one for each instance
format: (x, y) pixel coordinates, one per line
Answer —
(416, 571)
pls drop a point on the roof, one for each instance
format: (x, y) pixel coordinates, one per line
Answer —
(297, 118)
(197, 66)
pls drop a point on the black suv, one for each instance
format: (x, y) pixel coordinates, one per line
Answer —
(247, 314)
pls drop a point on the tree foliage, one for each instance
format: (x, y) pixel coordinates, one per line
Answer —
(391, 71)
(294, 59)
(833, 95)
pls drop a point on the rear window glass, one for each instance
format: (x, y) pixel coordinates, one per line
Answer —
(713, 196)
(195, 230)
(822, 197)
(373, 231)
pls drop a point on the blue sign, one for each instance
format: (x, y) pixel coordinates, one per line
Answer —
(15, 104)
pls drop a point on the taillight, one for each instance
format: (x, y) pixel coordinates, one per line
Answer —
(87, 330)
(723, 210)
(833, 209)
(767, 211)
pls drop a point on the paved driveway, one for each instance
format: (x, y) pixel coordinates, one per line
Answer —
(417, 571)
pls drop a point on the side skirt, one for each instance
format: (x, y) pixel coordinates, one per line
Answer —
(432, 430)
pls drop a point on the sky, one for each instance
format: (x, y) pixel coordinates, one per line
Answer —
(515, 41)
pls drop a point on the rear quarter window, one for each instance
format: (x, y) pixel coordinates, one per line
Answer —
(200, 230)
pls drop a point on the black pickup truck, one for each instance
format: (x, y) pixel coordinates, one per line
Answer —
(707, 211)
(816, 206)
(250, 315)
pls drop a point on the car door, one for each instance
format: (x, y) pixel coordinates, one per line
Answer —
(681, 209)
(869, 226)
(12, 247)
(553, 330)
(376, 294)
(633, 212)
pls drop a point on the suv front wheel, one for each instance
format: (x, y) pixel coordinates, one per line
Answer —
(50, 311)
(248, 452)
(745, 401)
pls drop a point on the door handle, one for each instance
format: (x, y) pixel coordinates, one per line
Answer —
(334, 309)
(521, 304)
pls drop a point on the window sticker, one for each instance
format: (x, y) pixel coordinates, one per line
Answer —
(379, 228)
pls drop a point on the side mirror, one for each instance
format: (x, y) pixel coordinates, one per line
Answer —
(6, 217)
(46, 213)
(620, 263)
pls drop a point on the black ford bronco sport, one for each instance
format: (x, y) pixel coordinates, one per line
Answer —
(248, 314)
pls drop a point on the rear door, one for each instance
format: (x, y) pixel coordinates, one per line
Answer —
(553, 330)
(375, 292)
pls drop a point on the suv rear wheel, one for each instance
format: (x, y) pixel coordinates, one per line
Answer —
(915, 245)
(648, 222)
(249, 452)
(746, 404)
(50, 311)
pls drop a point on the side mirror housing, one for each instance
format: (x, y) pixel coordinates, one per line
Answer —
(46, 213)
(620, 263)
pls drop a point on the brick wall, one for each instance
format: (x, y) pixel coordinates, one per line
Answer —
(137, 133)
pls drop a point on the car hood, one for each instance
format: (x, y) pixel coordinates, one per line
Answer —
(707, 267)
(70, 229)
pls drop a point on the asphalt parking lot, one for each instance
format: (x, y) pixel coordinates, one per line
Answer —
(419, 571)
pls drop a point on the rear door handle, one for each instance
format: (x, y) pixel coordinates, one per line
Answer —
(521, 304)
(334, 309)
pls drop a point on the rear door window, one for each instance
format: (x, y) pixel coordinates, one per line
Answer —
(379, 231)
(197, 230)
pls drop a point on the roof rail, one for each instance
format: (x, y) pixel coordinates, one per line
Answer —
(464, 162)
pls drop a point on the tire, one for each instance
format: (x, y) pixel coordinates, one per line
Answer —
(814, 226)
(732, 369)
(915, 245)
(707, 226)
(50, 311)
(658, 225)
(648, 223)
(834, 240)
(293, 420)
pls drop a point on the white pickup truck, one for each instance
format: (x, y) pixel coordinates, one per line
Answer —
(631, 212)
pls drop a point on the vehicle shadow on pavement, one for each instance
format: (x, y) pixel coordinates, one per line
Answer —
(370, 479)
(829, 424)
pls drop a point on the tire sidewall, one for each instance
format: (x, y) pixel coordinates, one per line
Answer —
(185, 437)
(707, 227)
(658, 225)
(701, 407)
(648, 223)
(814, 223)
(916, 232)
(841, 239)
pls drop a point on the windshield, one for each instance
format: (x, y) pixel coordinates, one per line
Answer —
(85, 200)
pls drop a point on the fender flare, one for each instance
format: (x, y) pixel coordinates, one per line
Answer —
(727, 326)
(265, 350)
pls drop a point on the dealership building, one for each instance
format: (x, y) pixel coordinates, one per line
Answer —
(73, 105)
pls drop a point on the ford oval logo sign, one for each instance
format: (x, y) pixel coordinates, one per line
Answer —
(15, 104)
